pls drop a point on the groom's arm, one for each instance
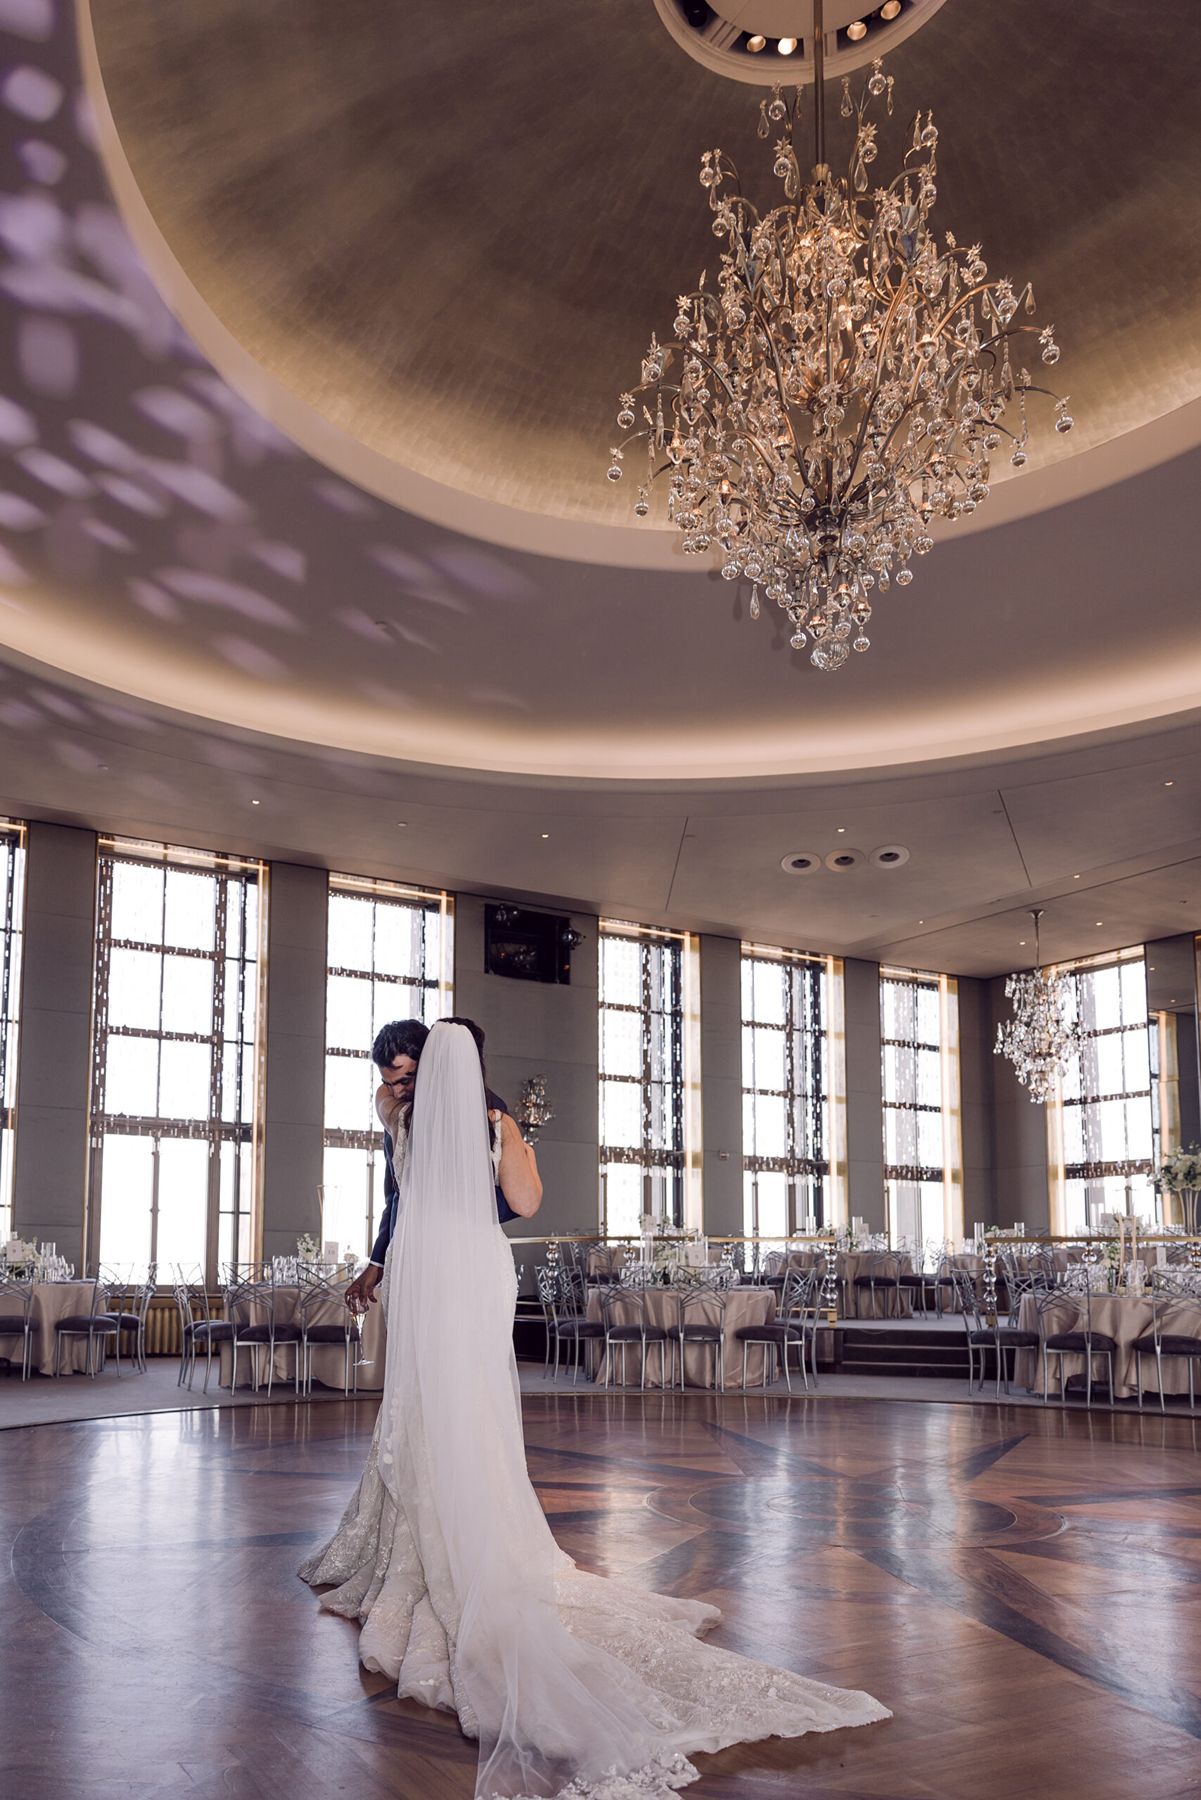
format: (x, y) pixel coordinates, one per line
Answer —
(361, 1291)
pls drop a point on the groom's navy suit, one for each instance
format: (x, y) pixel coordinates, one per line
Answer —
(379, 1249)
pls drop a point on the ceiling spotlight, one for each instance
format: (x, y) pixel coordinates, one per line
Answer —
(1075, 877)
(1169, 784)
(856, 30)
(890, 9)
(756, 43)
(840, 828)
(545, 834)
(1100, 921)
(1021, 943)
(786, 46)
(256, 803)
(401, 824)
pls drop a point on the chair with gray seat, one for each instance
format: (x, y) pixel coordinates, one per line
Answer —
(982, 1337)
(200, 1329)
(627, 1323)
(319, 1298)
(794, 1327)
(697, 1326)
(97, 1325)
(1080, 1339)
(252, 1308)
(1169, 1288)
(566, 1325)
(16, 1318)
(884, 1275)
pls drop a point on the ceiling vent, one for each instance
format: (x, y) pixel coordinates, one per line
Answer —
(842, 860)
(889, 856)
(800, 862)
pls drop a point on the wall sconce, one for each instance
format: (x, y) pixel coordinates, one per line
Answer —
(534, 1109)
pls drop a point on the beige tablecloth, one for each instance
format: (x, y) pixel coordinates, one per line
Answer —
(1117, 1316)
(861, 1303)
(54, 1300)
(328, 1359)
(744, 1306)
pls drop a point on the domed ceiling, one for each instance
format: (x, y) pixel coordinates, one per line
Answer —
(303, 439)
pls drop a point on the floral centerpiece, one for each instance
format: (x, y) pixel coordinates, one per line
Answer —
(20, 1258)
(307, 1247)
(1180, 1174)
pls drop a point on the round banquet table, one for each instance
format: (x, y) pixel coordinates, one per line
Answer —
(886, 1302)
(1119, 1316)
(54, 1300)
(329, 1363)
(744, 1306)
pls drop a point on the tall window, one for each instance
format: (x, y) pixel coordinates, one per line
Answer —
(644, 1053)
(788, 1090)
(389, 956)
(175, 1061)
(919, 1042)
(12, 910)
(1106, 1114)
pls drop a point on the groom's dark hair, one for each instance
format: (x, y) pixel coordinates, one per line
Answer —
(401, 1037)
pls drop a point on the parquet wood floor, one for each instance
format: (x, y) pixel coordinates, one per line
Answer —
(1022, 1588)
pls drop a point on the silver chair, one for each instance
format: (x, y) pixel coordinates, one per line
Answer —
(1074, 1342)
(97, 1325)
(885, 1273)
(130, 1305)
(1168, 1288)
(695, 1325)
(250, 1308)
(318, 1295)
(16, 1318)
(200, 1328)
(626, 1323)
(564, 1326)
(981, 1337)
(795, 1325)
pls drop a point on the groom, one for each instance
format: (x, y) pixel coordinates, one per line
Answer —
(396, 1053)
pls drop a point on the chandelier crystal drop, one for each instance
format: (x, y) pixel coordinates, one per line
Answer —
(1042, 1036)
(841, 382)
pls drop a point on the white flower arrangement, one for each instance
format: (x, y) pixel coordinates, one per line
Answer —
(1180, 1172)
(307, 1247)
(17, 1253)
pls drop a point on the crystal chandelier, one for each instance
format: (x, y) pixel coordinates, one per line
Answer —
(841, 382)
(1040, 1037)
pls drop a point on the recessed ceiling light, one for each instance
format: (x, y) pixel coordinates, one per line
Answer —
(921, 921)
(546, 834)
(256, 803)
(856, 30)
(756, 43)
(1075, 877)
(890, 9)
(1169, 784)
(786, 46)
(1021, 943)
(1100, 921)
(401, 824)
(840, 828)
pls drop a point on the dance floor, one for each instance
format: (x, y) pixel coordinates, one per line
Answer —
(1021, 1587)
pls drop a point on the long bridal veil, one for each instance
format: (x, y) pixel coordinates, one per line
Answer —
(578, 1688)
(550, 1710)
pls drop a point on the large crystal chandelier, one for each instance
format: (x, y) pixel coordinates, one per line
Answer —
(1041, 1037)
(840, 383)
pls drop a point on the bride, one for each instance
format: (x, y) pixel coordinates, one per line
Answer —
(577, 1687)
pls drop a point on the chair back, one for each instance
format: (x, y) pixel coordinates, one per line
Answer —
(551, 1286)
(1060, 1309)
(623, 1306)
(773, 1265)
(800, 1293)
(16, 1295)
(1170, 1288)
(321, 1293)
(702, 1304)
(967, 1300)
(249, 1302)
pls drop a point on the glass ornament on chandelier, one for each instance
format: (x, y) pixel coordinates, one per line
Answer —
(1043, 1033)
(842, 382)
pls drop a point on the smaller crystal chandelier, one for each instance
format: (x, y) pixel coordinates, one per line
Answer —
(1040, 1038)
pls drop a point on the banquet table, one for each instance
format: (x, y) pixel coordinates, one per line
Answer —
(862, 1303)
(1119, 1316)
(54, 1300)
(744, 1306)
(328, 1359)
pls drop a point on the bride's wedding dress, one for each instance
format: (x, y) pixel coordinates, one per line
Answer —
(578, 1687)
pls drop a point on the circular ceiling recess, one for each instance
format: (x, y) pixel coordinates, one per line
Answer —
(769, 41)
(436, 257)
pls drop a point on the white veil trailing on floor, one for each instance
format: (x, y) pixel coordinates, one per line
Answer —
(555, 1714)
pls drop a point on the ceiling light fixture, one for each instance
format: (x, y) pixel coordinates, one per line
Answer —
(256, 803)
(545, 834)
(842, 382)
(1169, 784)
(890, 9)
(786, 46)
(756, 43)
(856, 31)
(1042, 1035)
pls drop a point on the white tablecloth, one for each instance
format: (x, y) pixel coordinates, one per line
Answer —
(744, 1306)
(328, 1359)
(1117, 1316)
